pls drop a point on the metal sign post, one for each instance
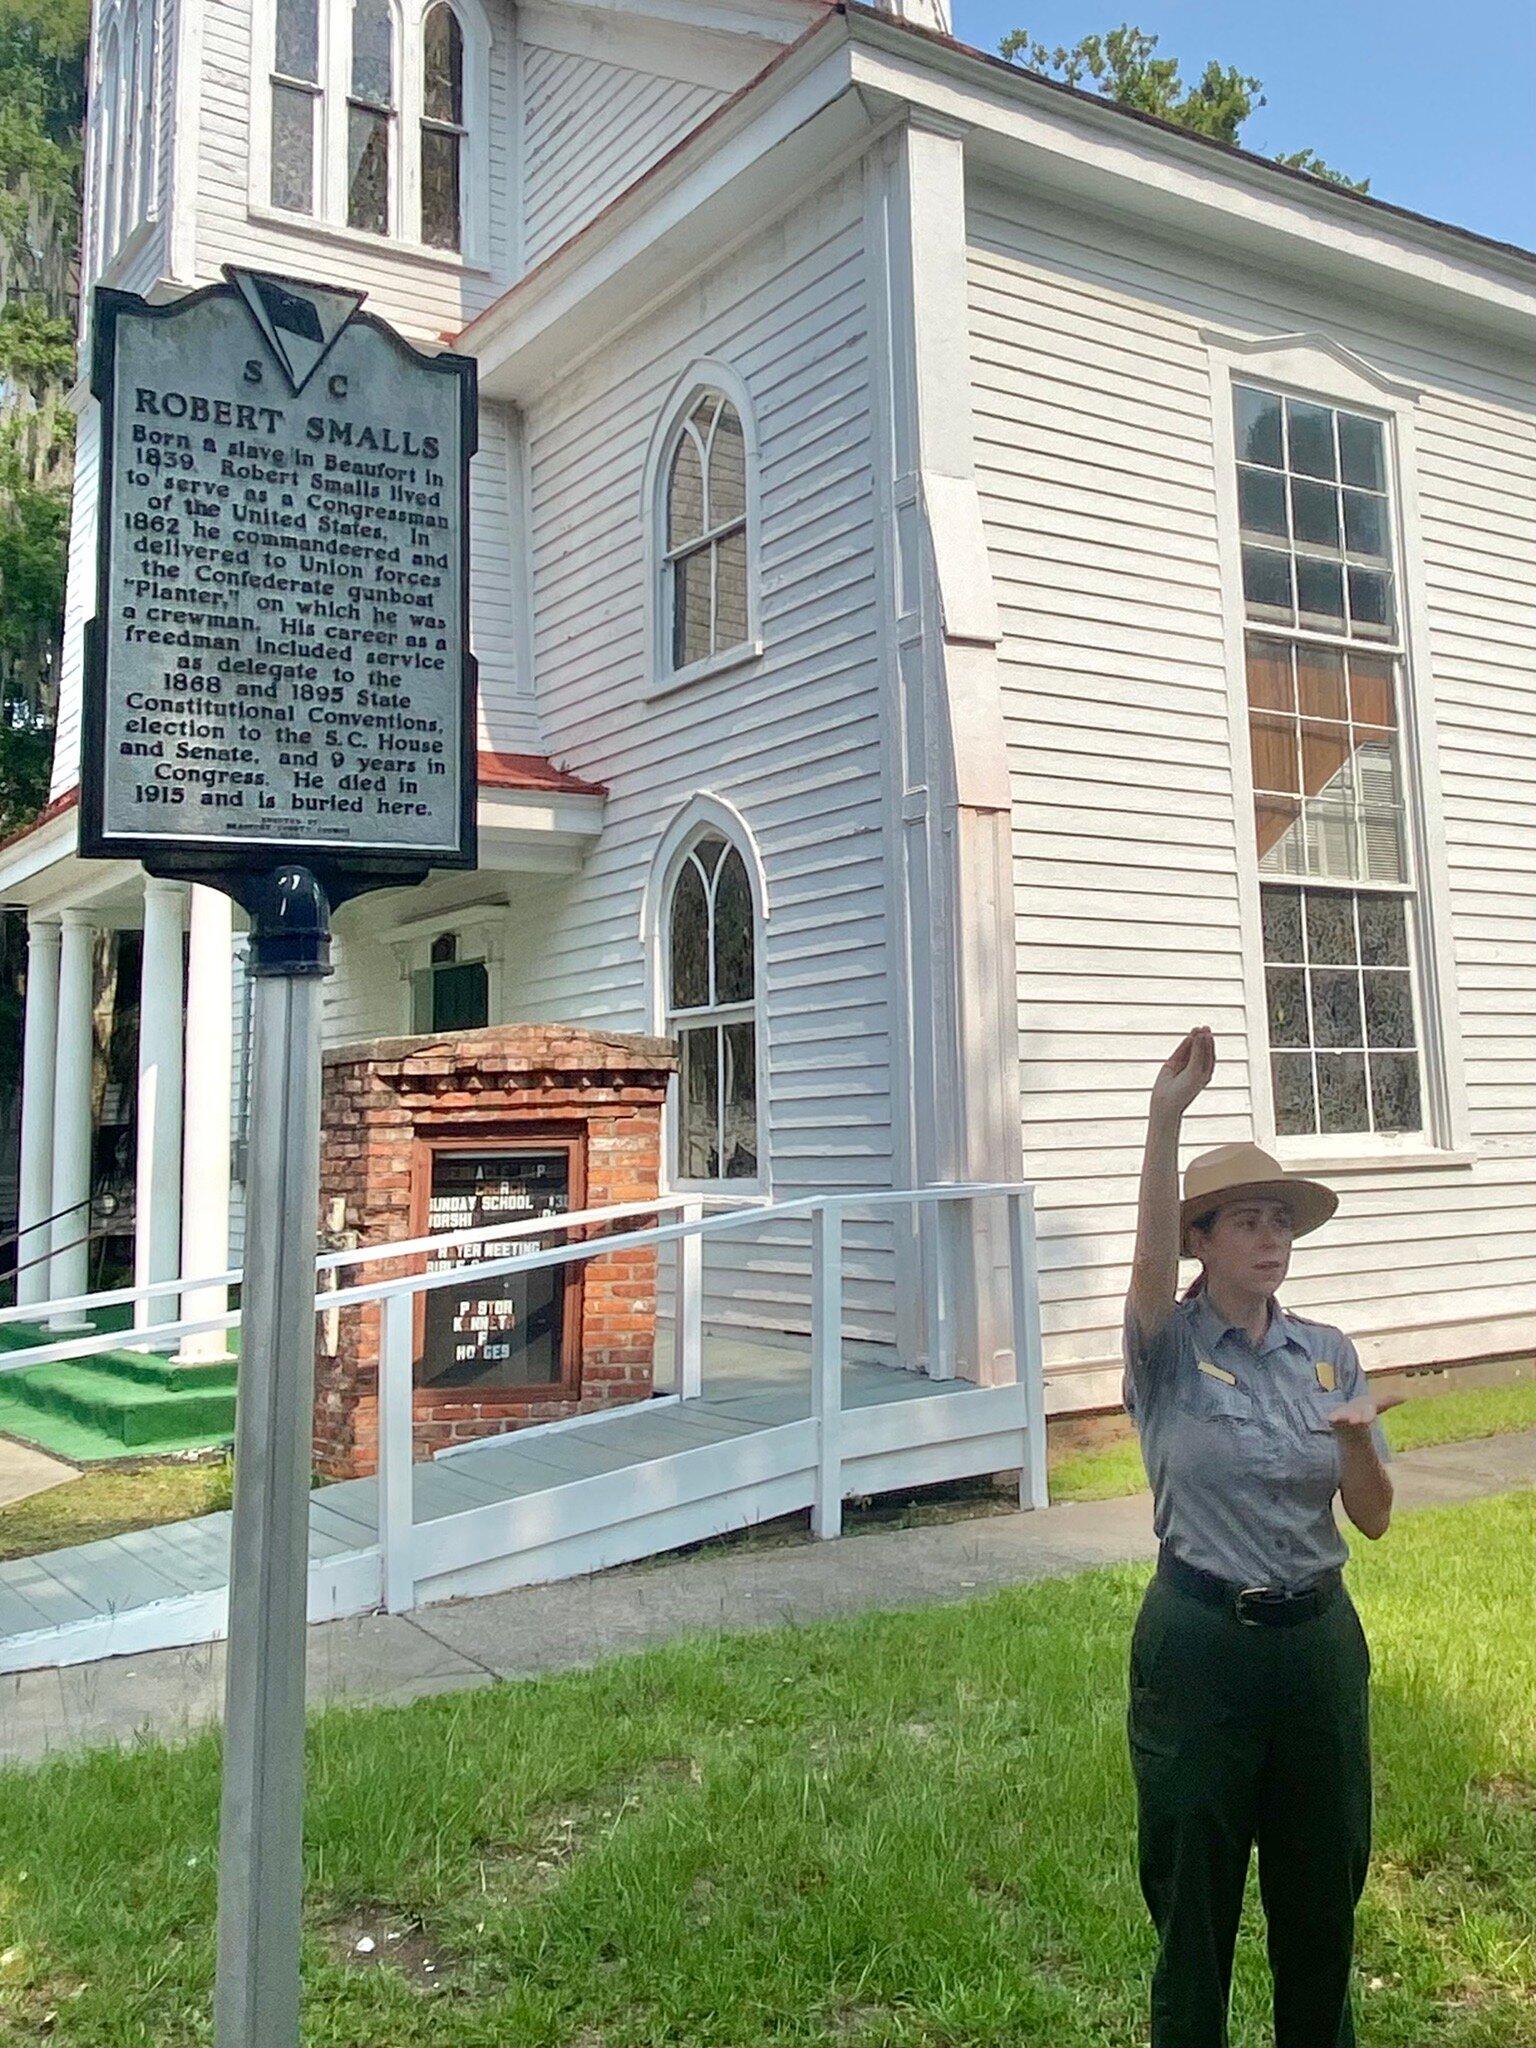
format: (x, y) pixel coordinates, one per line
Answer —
(280, 703)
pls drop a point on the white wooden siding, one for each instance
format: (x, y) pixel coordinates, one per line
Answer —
(792, 741)
(589, 129)
(1093, 402)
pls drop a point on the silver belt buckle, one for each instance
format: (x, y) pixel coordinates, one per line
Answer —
(1248, 1620)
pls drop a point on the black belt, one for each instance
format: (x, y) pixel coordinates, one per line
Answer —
(1270, 1606)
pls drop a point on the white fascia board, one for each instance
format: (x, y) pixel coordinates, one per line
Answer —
(755, 154)
(777, 22)
(1101, 159)
(528, 817)
(700, 52)
(31, 868)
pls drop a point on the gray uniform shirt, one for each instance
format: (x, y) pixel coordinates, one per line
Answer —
(1243, 1460)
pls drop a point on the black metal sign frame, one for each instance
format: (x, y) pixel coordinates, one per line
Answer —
(238, 866)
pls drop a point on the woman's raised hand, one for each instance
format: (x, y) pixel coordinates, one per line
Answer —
(1185, 1072)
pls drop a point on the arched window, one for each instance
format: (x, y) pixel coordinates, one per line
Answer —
(442, 128)
(146, 113)
(711, 965)
(130, 119)
(295, 105)
(108, 162)
(705, 596)
(370, 117)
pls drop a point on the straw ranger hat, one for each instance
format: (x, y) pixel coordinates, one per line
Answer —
(1231, 1173)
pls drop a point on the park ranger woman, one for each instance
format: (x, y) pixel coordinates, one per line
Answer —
(1248, 1715)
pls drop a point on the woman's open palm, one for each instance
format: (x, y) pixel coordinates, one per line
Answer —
(1186, 1070)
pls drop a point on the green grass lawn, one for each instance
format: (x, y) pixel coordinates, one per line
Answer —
(1106, 1470)
(111, 1500)
(907, 1829)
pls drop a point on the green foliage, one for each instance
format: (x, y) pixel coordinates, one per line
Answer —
(1123, 66)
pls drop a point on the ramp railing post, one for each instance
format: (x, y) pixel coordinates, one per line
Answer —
(397, 1512)
(1029, 1366)
(827, 1366)
(690, 1306)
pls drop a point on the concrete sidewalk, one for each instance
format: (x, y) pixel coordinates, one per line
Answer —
(391, 1658)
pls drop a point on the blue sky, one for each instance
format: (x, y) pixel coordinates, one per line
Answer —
(1435, 105)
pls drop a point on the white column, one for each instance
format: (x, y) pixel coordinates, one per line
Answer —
(205, 1145)
(157, 1177)
(35, 1203)
(69, 1268)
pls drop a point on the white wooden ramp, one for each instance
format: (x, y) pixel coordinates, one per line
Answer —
(547, 1502)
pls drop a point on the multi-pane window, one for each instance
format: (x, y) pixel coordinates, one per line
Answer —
(705, 570)
(442, 128)
(712, 1012)
(370, 116)
(1324, 672)
(295, 104)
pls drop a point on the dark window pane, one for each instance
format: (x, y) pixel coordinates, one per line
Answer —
(1330, 928)
(708, 852)
(1282, 924)
(372, 55)
(1336, 1007)
(1370, 602)
(1395, 1091)
(731, 589)
(690, 608)
(1383, 931)
(461, 997)
(445, 949)
(1287, 1005)
(293, 149)
(1294, 1110)
(1341, 1091)
(1319, 592)
(1388, 1009)
(740, 1119)
(442, 51)
(1270, 687)
(1311, 438)
(1370, 689)
(1261, 501)
(1315, 513)
(1275, 764)
(690, 941)
(1267, 581)
(1320, 683)
(1258, 426)
(298, 40)
(1365, 524)
(440, 203)
(1361, 455)
(727, 469)
(685, 494)
(699, 1104)
(367, 170)
(734, 981)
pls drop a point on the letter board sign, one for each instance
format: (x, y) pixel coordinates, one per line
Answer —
(279, 667)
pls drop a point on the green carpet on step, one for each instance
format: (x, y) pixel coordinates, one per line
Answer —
(115, 1404)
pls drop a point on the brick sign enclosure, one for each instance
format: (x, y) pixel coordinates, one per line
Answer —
(472, 1128)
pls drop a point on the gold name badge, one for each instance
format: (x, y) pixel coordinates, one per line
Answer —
(1325, 1375)
(1216, 1372)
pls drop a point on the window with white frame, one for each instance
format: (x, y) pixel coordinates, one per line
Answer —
(705, 565)
(371, 117)
(442, 128)
(296, 105)
(451, 992)
(123, 126)
(377, 118)
(1325, 682)
(711, 966)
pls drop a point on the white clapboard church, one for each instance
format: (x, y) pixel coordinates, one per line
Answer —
(967, 581)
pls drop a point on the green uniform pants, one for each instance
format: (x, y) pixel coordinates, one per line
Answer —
(1241, 1733)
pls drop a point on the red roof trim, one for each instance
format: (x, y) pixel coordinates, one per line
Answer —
(532, 771)
(46, 816)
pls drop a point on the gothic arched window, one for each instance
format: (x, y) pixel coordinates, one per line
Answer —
(442, 128)
(296, 99)
(705, 566)
(711, 968)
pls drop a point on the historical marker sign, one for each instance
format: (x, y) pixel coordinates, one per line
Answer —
(279, 667)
